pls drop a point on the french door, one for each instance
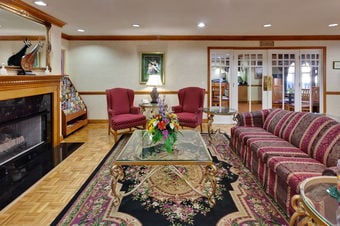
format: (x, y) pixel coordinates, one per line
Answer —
(248, 80)
(297, 76)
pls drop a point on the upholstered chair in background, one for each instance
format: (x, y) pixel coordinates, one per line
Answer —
(121, 112)
(190, 108)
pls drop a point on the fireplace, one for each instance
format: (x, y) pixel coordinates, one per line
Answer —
(29, 131)
(25, 124)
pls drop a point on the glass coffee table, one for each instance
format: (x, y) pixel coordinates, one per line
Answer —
(216, 110)
(190, 149)
(315, 204)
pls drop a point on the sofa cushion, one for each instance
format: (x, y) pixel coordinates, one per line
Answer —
(267, 147)
(315, 135)
(327, 146)
(285, 175)
(277, 120)
(241, 134)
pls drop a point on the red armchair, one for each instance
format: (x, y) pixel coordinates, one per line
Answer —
(190, 108)
(121, 112)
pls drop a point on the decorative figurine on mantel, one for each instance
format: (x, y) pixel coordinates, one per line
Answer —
(27, 61)
(15, 60)
(3, 70)
(23, 60)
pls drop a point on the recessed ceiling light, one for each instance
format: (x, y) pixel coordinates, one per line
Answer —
(332, 25)
(135, 25)
(40, 3)
(201, 24)
(81, 30)
(267, 25)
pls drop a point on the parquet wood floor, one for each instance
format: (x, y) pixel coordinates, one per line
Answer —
(41, 203)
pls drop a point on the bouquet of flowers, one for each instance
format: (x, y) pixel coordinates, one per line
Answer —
(164, 126)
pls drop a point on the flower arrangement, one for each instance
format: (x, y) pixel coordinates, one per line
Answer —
(164, 126)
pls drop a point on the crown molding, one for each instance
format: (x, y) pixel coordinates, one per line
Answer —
(201, 37)
(27, 10)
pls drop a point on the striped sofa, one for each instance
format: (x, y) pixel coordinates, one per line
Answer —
(282, 148)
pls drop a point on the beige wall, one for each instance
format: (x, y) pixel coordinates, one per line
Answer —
(98, 65)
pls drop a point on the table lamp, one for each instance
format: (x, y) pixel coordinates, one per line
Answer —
(154, 80)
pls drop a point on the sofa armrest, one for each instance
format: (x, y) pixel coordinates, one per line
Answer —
(177, 108)
(252, 119)
(330, 171)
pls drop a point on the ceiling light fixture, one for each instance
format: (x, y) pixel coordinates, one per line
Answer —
(201, 24)
(81, 30)
(135, 25)
(267, 25)
(332, 25)
(40, 3)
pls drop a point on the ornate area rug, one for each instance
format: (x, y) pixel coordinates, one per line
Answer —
(166, 200)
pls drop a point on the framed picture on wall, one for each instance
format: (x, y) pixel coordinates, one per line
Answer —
(151, 64)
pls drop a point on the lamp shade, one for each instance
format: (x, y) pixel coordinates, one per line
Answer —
(154, 80)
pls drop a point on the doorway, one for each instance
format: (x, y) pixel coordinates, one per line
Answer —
(237, 78)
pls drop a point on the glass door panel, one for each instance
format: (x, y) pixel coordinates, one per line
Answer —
(249, 74)
(219, 79)
(310, 81)
(283, 72)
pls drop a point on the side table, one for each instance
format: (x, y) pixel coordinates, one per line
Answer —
(149, 108)
(212, 111)
(314, 206)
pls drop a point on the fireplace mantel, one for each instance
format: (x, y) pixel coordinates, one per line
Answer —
(31, 85)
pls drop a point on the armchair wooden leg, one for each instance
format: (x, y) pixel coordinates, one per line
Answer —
(108, 129)
(201, 128)
(115, 135)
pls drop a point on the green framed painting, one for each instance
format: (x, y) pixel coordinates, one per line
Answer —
(151, 64)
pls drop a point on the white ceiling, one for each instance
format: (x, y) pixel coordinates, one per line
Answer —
(180, 17)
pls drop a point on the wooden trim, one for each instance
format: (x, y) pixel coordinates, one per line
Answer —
(202, 37)
(333, 93)
(22, 37)
(136, 92)
(22, 86)
(324, 83)
(101, 121)
(29, 11)
(98, 121)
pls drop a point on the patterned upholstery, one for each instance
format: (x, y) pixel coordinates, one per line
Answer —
(190, 108)
(263, 148)
(272, 143)
(121, 112)
(252, 119)
(285, 175)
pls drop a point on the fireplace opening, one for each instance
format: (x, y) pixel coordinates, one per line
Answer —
(26, 152)
(21, 136)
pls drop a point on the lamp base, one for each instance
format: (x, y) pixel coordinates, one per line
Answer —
(154, 96)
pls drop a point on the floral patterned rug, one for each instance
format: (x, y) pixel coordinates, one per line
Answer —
(164, 199)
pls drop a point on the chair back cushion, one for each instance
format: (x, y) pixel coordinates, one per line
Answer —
(191, 98)
(119, 100)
